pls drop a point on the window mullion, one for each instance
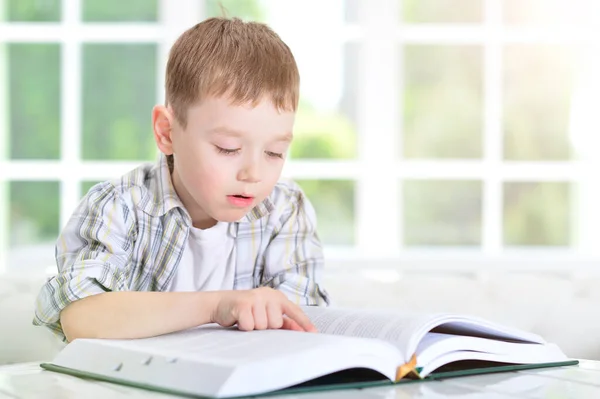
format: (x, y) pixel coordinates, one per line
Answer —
(4, 144)
(492, 212)
(71, 127)
(378, 206)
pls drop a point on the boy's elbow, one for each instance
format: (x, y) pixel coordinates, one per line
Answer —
(70, 321)
(67, 325)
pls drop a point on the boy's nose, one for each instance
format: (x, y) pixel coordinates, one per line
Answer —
(249, 174)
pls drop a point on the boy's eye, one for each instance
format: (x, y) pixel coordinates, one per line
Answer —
(227, 151)
(274, 154)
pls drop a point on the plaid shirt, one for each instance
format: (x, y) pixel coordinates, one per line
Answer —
(129, 235)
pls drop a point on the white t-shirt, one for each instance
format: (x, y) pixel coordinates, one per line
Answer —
(208, 261)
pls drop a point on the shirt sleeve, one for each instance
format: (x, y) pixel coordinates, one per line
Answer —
(294, 257)
(92, 255)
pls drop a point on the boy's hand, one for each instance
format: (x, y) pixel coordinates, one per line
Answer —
(260, 309)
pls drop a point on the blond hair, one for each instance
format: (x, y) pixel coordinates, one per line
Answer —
(244, 61)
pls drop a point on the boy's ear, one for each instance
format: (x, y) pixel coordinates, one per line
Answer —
(162, 123)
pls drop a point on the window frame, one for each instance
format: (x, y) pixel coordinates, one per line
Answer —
(377, 172)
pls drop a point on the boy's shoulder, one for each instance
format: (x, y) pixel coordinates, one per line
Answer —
(142, 176)
(135, 178)
(148, 187)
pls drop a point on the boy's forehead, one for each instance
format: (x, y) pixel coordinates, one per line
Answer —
(229, 131)
(219, 116)
(227, 110)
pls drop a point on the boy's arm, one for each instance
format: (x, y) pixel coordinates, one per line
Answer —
(125, 315)
(131, 314)
(294, 257)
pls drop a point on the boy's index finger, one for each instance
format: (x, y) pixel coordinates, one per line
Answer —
(295, 313)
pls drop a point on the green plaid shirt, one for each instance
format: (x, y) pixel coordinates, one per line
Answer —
(129, 235)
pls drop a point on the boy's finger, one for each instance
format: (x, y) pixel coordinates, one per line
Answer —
(289, 324)
(296, 314)
(245, 320)
(260, 318)
(274, 315)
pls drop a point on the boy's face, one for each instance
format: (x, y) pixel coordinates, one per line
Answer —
(228, 158)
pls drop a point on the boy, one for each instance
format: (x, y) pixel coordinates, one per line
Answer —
(208, 235)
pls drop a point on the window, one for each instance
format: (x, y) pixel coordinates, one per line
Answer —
(427, 129)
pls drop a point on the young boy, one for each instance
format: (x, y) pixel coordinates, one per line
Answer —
(208, 234)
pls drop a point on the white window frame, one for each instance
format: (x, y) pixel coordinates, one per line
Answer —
(379, 195)
(4, 124)
(377, 172)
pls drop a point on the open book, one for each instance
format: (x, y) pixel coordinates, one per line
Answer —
(353, 348)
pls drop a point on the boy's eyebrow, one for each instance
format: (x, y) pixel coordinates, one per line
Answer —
(287, 136)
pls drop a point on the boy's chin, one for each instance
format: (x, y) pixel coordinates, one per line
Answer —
(230, 216)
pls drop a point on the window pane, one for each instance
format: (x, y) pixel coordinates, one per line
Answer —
(32, 10)
(442, 102)
(325, 124)
(118, 10)
(442, 11)
(537, 214)
(247, 9)
(34, 208)
(537, 96)
(33, 222)
(438, 213)
(119, 91)
(333, 201)
(549, 12)
(34, 101)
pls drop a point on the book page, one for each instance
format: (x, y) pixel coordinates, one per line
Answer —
(396, 328)
(213, 361)
(435, 346)
(406, 329)
(225, 344)
(231, 346)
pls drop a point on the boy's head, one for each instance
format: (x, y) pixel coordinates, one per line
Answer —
(232, 90)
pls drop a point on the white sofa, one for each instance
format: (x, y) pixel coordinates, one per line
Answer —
(20, 341)
(565, 310)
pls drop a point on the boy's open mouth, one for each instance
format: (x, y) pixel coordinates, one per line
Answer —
(240, 200)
